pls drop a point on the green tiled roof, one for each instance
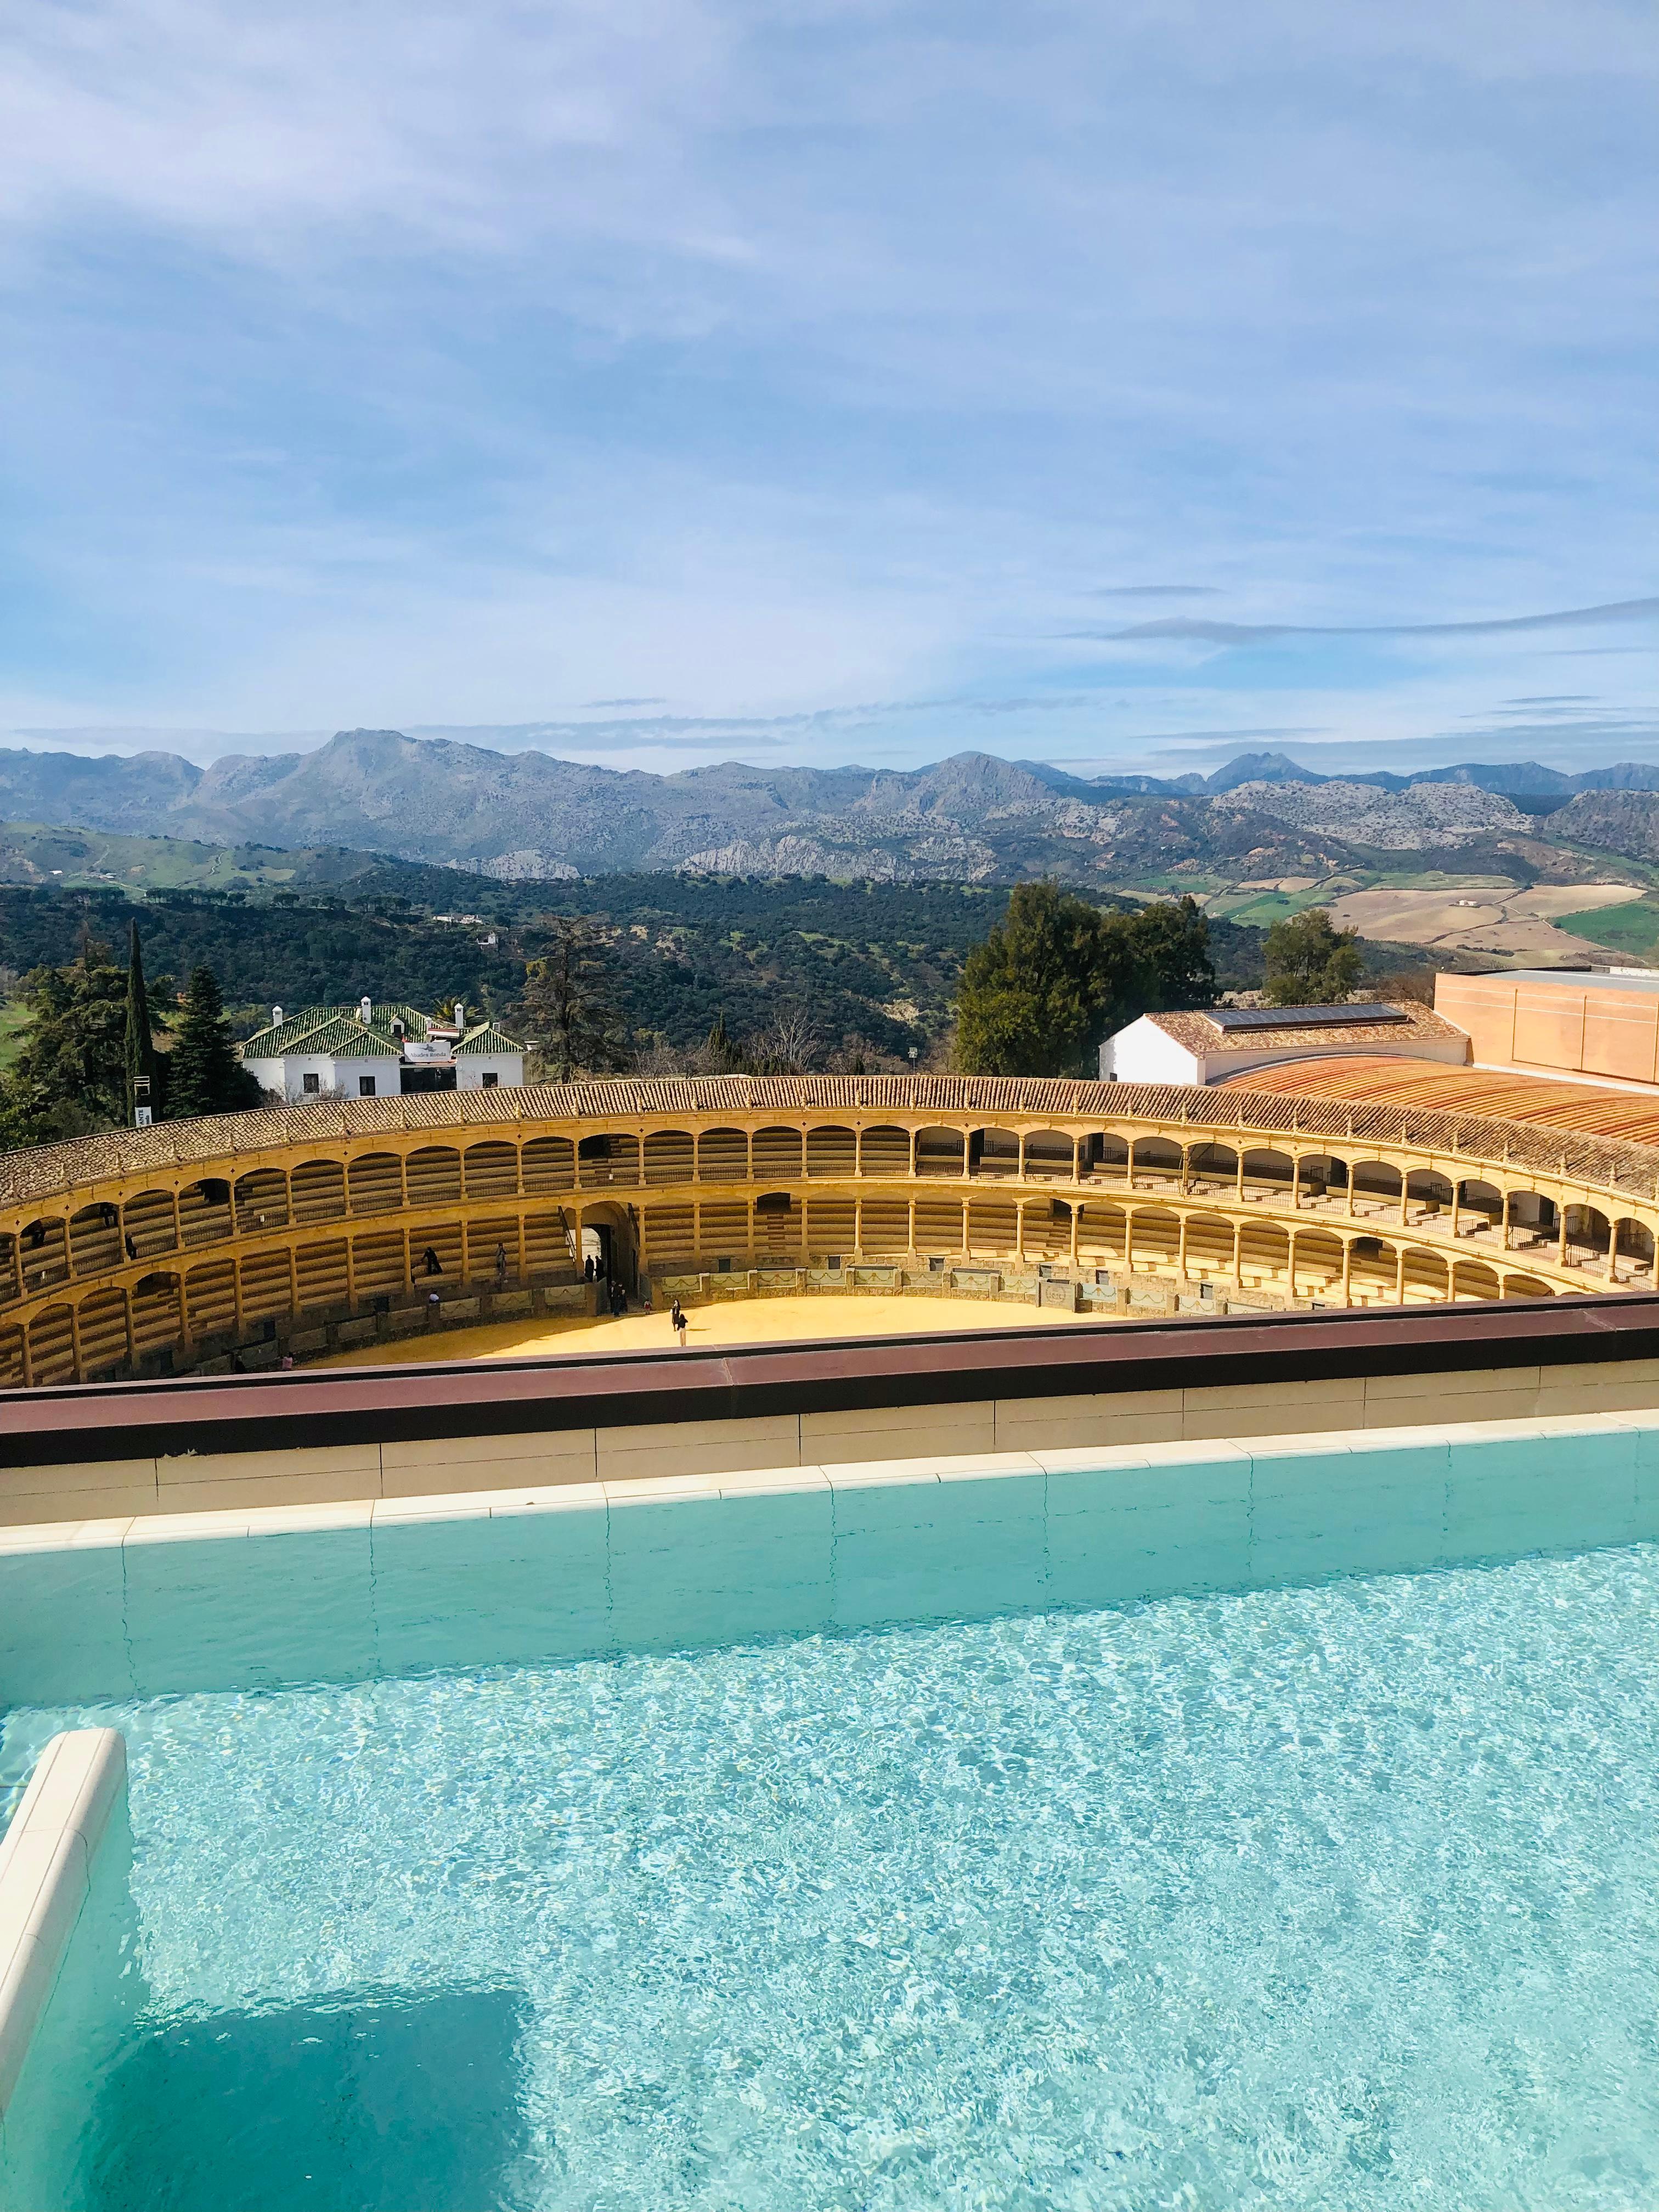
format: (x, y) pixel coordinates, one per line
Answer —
(487, 1038)
(337, 1029)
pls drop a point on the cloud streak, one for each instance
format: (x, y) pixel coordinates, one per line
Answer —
(1218, 633)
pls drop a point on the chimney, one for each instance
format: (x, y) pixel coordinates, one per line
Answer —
(276, 1018)
(460, 1016)
(365, 1009)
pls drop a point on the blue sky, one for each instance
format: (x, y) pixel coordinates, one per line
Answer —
(659, 381)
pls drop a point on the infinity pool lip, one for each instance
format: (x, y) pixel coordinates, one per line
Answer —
(90, 1422)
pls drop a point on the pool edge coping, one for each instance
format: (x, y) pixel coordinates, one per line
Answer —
(46, 1855)
(513, 1501)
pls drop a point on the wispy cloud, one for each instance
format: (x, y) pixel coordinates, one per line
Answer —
(1218, 633)
(1156, 592)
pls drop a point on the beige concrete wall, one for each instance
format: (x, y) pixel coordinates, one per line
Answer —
(92, 1493)
(1569, 1028)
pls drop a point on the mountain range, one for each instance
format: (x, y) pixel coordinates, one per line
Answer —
(972, 818)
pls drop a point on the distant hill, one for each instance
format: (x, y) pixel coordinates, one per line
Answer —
(972, 818)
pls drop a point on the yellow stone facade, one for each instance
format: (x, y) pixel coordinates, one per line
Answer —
(192, 1243)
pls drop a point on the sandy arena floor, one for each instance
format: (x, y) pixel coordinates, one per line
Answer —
(744, 1321)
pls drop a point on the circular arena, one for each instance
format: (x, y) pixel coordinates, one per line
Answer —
(232, 1242)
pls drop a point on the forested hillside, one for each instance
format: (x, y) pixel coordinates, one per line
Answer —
(869, 968)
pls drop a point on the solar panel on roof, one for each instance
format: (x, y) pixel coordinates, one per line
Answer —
(1303, 1018)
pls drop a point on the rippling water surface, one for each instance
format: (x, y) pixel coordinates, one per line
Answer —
(1332, 1897)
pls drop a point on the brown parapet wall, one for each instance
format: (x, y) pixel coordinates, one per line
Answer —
(316, 1410)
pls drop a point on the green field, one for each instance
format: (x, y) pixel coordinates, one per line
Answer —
(1633, 928)
(36, 853)
(14, 1020)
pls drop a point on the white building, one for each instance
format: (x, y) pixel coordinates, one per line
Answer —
(377, 1052)
(1208, 1047)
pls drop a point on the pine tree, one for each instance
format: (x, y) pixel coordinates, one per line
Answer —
(204, 1073)
(140, 1041)
(566, 1007)
(1046, 986)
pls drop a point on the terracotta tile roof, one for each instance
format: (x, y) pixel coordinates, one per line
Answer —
(1582, 1107)
(1198, 1033)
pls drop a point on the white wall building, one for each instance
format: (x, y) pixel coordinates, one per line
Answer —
(368, 1051)
(1208, 1047)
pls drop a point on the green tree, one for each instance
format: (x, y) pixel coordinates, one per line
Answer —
(1172, 942)
(204, 1076)
(566, 1010)
(1045, 987)
(1309, 964)
(140, 1034)
(69, 1080)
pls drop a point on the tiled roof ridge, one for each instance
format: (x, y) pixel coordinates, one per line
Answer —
(1609, 1160)
(289, 1035)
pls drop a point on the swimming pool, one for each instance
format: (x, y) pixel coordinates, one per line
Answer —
(963, 1873)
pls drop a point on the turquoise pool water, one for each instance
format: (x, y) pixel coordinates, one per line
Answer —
(992, 1847)
(1324, 1896)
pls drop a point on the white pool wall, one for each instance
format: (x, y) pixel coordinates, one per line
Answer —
(64, 1909)
(144, 1607)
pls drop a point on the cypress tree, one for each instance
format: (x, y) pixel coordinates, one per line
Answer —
(204, 1073)
(140, 1043)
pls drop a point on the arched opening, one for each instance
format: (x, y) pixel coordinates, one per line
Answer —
(885, 1151)
(831, 1151)
(1101, 1232)
(992, 1153)
(1209, 1245)
(317, 1189)
(1427, 1278)
(51, 1346)
(1047, 1233)
(43, 1251)
(670, 1156)
(103, 1324)
(1372, 1271)
(1428, 1194)
(1050, 1155)
(1211, 1170)
(1156, 1164)
(1264, 1255)
(1269, 1174)
(94, 1239)
(1154, 1240)
(777, 1153)
(607, 1159)
(1320, 1178)
(616, 1227)
(1375, 1189)
(723, 1156)
(1104, 1157)
(940, 1151)
(1318, 1264)
(1533, 1222)
(155, 1316)
(262, 1194)
(940, 1228)
(1474, 1280)
(1633, 1244)
(1525, 1287)
(1588, 1235)
(491, 1170)
(204, 1215)
(1480, 1209)
(778, 1224)
(548, 1166)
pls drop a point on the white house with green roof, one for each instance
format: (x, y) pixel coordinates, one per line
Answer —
(370, 1051)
